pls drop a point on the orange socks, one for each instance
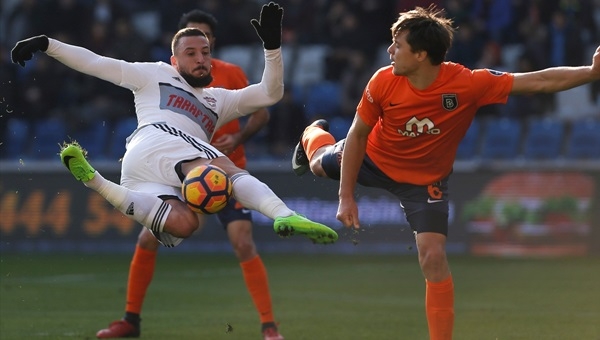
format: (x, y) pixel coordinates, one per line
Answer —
(141, 271)
(255, 276)
(439, 307)
(314, 138)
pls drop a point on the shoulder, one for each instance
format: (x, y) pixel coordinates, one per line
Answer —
(384, 76)
(227, 75)
(452, 69)
(383, 79)
(384, 72)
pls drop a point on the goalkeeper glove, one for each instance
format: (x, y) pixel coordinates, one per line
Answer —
(25, 49)
(269, 26)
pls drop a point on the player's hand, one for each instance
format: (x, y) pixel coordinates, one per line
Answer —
(268, 27)
(596, 63)
(226, 143)
(348, 213)
(24, 49)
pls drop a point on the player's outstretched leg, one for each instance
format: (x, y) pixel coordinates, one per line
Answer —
(149, 210)
(300, 162)
(300, 225)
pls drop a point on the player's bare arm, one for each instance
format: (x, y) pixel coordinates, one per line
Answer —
(229, 142)
(352, 158)
(557, 79)
(256, 121)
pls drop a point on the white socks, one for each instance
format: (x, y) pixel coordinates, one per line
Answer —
(254, 194)
(146, 209)
(152, 212)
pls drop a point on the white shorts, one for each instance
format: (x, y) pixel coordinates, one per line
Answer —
(152, 153)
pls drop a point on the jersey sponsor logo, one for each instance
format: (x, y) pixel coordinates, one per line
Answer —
(368, 94)
(449, 101)
(416, 127)
(495, 73)
(180, 101)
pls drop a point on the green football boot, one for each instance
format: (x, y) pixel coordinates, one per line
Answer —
(300, 225)
(73, 157)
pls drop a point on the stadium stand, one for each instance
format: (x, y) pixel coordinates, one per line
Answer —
(469, 146)
(543, 139)
(122, 129)
(48, 134)
(502, 138)
(17, 136)
(584, 140)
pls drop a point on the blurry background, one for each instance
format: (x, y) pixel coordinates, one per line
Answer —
(527, 176)
(526, 183)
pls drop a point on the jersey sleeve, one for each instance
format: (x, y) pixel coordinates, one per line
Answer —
(108, 69)
(494, 86)
(369, 107)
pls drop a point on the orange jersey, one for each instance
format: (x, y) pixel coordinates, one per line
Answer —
(232, 77)
(416, 132)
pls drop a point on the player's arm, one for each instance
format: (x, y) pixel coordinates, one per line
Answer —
(270, 89)
(352, 158)
(79, 59)
(226, 143)
(255, 122)
(557, 79)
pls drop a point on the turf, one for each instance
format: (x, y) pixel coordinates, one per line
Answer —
(196, 296)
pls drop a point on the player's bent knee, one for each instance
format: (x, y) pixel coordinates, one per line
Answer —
(329, 165)
(182, 222)
(244, 248)
(147, 241)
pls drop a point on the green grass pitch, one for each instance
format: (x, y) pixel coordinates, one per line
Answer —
(196, 296)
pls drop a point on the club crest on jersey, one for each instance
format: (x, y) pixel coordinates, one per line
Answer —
(210, 101)
(449, 101)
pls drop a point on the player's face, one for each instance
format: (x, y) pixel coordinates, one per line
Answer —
(206, 29)
(404, 60)
(192, 60)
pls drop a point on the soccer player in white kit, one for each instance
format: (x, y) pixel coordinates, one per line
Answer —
(177, 116)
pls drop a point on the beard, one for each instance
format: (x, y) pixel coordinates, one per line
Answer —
(195, 82)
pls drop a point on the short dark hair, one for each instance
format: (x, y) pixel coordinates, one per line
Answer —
(200, 17)
(428, 30)
(185, 32)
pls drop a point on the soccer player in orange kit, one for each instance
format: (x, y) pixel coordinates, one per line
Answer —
(405, 134)
(236, 219)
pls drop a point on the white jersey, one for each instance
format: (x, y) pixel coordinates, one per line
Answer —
(162, 95)
(175, 120)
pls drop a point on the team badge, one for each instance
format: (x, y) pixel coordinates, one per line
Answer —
(212, 102)
(449, 102)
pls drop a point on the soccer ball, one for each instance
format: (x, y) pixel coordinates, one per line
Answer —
(206, 189)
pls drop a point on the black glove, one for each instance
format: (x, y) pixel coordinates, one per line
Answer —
(269, 27)
(25, 49)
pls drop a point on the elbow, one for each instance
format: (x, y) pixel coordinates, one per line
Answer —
(275, 94)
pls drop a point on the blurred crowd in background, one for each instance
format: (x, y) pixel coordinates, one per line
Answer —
(331, 48)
